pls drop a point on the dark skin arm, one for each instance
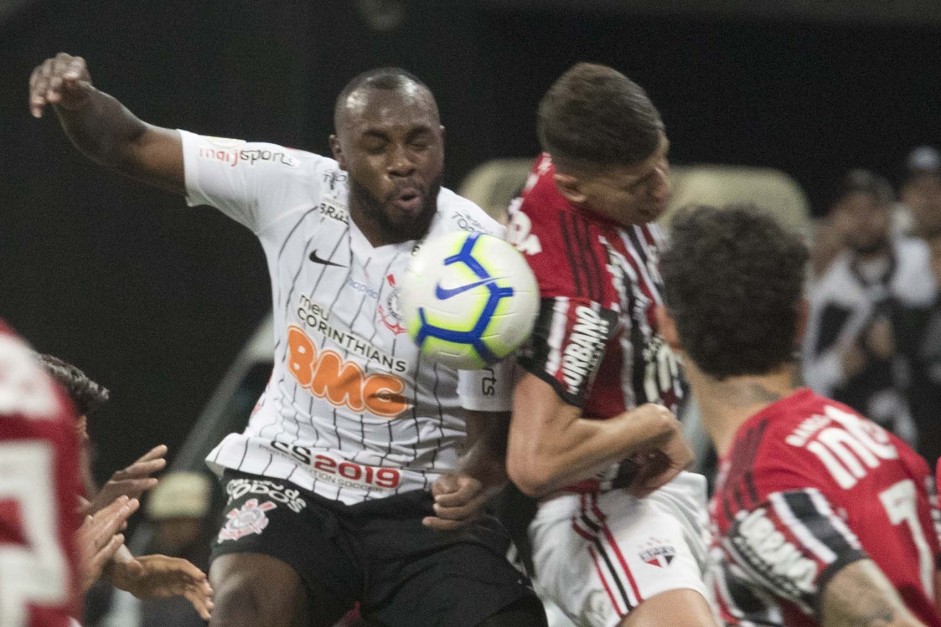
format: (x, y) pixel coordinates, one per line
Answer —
(461, 496)
(102, 128)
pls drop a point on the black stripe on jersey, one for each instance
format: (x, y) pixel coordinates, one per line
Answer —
(600, 549)
(570, 239)
(276, 284)
(594, 270)
(817, 522)
(636, 244)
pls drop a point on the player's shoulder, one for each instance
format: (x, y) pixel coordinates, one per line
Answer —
(461, 214)
(776, 434)
(254, 155)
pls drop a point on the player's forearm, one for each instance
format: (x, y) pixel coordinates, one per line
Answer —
(485, 453)
(569, 448)
(102, 128)
(860, 595)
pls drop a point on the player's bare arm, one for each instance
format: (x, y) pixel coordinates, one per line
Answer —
(552, 445)
(860, 595)
(460, 497)
(131, 481)
(99, 539)
(160, 576)
(102, 128)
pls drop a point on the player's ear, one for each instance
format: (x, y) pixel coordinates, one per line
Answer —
(667, 326)
(337, 152)
(569, 186)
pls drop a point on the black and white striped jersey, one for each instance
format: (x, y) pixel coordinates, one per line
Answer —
(352, 410)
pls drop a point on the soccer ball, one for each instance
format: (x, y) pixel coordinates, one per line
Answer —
(468, 299)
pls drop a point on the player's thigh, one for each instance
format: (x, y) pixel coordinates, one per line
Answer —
(281, 556)
(253, 589)
(677, 608)
(419, 576)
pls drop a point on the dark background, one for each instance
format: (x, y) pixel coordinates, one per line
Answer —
(154, 300)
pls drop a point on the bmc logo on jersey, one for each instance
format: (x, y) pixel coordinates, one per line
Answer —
(326, 375)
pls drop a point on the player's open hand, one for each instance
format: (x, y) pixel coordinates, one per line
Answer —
(459, 500)
(659, 464)
(158, 576)
(63, 81)
(98, 537)
(133, 480)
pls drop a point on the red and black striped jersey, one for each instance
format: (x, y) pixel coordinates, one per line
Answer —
(38, 484)
(596, 339)
(809, 486)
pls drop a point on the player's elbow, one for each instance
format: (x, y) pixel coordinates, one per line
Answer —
(534, 477)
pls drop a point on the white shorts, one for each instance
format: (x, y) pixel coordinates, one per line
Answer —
(599, 555)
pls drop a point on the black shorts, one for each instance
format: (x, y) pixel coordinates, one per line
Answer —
(376, 552)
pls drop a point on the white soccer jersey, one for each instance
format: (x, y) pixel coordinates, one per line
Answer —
(352, 410)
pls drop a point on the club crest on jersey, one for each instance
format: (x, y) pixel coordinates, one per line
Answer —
(390, 314)
(658, 554)
(246, 520)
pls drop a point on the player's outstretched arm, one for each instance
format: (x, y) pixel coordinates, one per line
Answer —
(158, 576)
(131, 481)
(860, 595)
(99, 540)
(552, 445)
(461, 497)
(102, 128)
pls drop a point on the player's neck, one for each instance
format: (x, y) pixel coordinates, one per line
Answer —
(724, 405)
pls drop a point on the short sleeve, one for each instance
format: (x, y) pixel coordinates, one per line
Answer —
(252, 183)
(568, 344)
(488, 389)
(791, 544)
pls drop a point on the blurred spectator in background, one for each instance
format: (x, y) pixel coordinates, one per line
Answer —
(825, 246)
(921, 191)
(918, 336)
(849, 348)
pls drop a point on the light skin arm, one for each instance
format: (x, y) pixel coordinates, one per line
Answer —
(102, 128)
(860, 595)
(460, 497)
(552, 445)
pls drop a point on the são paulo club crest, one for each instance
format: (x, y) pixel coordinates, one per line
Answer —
(390, 314)
(657, 553)
(248, 519)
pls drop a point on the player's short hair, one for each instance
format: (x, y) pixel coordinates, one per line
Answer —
(389, 78)
(85, 393)
(593, 116)
(733, 282)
